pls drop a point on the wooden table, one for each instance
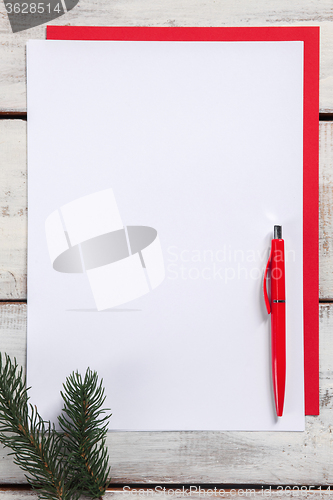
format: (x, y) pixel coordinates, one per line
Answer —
(190, 458)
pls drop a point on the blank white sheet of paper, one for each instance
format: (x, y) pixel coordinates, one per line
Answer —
(156, 173)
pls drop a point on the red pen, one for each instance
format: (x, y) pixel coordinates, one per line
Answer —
(277, 309)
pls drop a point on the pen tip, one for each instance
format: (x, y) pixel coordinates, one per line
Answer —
(279, 407)
(277, 232)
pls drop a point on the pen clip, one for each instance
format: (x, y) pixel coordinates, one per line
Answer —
(268, 306)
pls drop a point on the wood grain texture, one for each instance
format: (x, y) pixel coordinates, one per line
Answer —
(208, 457)
(326, 211)
(13, 210)
(178, 493)
(168, 13)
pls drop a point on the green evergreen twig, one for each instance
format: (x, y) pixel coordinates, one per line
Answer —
(36, 445)
(61, 466)
(85, 426)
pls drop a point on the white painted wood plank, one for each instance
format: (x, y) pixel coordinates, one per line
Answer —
(168, 13)
(192, 491)
(326, 210)
(216, 492)
(13, 210)
(208, 457)
(187, 492)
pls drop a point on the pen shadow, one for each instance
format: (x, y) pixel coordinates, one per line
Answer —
(267, 320)
(269, 354)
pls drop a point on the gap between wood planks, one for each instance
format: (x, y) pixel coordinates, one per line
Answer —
(22, 115)
(13, 115)
(24, 301)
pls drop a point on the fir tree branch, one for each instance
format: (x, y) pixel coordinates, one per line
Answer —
(85, 426)
(36, 445)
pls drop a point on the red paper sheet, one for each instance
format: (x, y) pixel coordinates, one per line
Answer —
(310, 37)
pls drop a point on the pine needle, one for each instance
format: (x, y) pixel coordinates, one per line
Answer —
(37, 447)
(59, 465)
(84, 424)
